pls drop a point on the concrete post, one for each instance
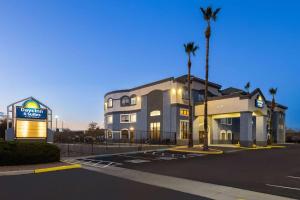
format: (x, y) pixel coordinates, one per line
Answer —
(261, 130)
(246, 134)
(215, 131)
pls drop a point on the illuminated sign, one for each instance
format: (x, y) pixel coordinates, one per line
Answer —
(259, 103)
(31, 129)
(31, 110)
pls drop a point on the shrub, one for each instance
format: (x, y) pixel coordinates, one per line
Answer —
(18, 153)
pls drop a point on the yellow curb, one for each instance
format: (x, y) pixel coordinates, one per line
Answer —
(277, 146)
(197, 152)
(51, 169)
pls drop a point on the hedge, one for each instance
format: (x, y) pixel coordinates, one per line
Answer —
(18, 153)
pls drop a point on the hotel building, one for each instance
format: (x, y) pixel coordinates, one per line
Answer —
(158, 111)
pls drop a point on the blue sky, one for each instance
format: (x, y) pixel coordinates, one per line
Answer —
(68, 54)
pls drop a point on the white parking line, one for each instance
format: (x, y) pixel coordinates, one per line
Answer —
(293, 177)
(284, 187)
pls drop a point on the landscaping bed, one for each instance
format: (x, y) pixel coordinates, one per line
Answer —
(20, 153)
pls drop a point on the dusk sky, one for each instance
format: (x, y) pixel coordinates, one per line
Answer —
(68, 54)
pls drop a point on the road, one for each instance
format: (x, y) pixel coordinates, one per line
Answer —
(78, 184)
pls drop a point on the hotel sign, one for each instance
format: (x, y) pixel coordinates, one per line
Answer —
(31, 109)
(31, 113)
(259, 102)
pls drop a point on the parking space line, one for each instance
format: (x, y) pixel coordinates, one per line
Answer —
(284, 187)
(295, 177)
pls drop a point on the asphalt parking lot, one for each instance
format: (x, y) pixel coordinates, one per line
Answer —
(78, 184)
(275, 171)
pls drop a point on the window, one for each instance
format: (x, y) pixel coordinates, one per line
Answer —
(155, 113)
(185, 94)
(184, 127)
(223, 121)
(184, 112)
(133, 100)
(226, 121)
(109, 119)
(200, 97)
(124, 118)
(229, 135)
(128, 118)
(155, 131)
(133, 117)
(222, 135)
(125, 101)
(229, 121)
(110, 103)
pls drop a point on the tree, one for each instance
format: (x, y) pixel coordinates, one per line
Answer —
(190, 48)
(3, 127)
(208, 15)
(92, 126)
(273, 92)
(247, 87)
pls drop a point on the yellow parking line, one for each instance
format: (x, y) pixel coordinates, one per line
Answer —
(50, 169)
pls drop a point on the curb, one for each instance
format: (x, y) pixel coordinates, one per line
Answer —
(51, 169)
(19, 172)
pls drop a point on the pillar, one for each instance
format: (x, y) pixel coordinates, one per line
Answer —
(246, 133)
(261, 130)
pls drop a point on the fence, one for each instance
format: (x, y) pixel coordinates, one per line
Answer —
(105, 142)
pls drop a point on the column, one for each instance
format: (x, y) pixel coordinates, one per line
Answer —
(215, 131)
(246, 134)
(261, 130)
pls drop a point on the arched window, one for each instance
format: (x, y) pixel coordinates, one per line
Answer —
(229, 135)
(110, 103)
(125, 101)
(222, 135)
(133, 99)
(124, 134)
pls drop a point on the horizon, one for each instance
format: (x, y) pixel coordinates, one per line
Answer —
(70, 59)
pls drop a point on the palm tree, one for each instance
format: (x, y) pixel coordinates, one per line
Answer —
(247, 87)
(209, 15)
(190, 48)
(273, 92)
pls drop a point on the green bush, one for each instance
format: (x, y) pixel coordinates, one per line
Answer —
(18, 153)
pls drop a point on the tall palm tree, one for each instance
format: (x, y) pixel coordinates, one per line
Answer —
(190, 48)
(247, 87)
(273, 92)
(209, 15)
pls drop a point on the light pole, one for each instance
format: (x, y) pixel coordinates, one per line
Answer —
(56, 118)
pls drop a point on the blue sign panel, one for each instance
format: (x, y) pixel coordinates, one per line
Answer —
(31, 113)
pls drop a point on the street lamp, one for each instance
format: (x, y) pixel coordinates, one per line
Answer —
(56, 118)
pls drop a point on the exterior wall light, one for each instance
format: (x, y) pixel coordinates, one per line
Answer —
(131, 128)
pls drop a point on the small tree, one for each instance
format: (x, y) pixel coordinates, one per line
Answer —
(92, 126)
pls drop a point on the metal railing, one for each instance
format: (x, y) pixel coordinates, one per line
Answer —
(80, 144)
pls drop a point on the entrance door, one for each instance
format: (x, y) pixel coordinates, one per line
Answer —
(155, 131)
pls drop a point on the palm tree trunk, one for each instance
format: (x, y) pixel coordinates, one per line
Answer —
(190, 106)
(205, 145)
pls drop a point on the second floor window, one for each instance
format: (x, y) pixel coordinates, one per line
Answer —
(133, 100)
(128, 118)
(125, 101)
(110, 103)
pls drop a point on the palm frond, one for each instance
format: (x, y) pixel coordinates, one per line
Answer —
(214, 15)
